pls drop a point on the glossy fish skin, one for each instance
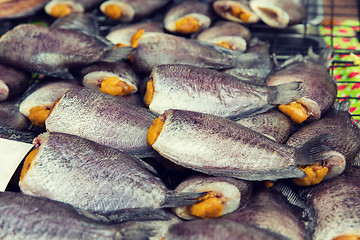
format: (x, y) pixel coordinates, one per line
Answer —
(269, 210)
(28, 217)
(19, 8)
(279, 13)
(199, 10)
(67, 168)
(272, 123)
(10, 115)
(122, 34)
(101, 118)
(60, 50)
(178, 86)
(221, 147)
(161, 48)
(213, 229)
(13, 82)
(78, 21)
(235, 34)
(336, 206)
(236, 192)
(345, 140)
(134, 10)
(224, 9)
(319, 86)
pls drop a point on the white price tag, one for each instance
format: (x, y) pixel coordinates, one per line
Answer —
(11, 155)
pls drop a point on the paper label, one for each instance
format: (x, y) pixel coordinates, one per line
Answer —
(11, 155)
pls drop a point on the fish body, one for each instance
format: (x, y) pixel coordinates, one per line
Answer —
(20, 8)
(235, 10)
(270, 210)
(102, 118)
(13, 82)
(334, 207)
(52, 51)
(272, 123)
(179, 86)
(188, 17)
(279, 13)
(28, 217)
(221, 147)
(225, 33)
(212, 229)
(10, 115)
(154, 49)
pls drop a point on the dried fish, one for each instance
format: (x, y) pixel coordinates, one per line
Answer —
(221, 147)
(52, 51)
(188, 17)
(227, 34)
(66, 168)
(27, 217)
(62, 8)
(10, 9)
(102, 118)
(13, 82)
(224, 195)
(279, 13)
(180, 86)
(235, 10)
(10, 115)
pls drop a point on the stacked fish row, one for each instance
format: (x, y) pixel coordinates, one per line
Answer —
(177, 127)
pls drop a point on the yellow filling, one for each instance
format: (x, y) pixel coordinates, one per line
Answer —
(135, 38)
(28, 163)
(38, 115)
(226, 45)
(120, 45)
(114, 86)
(347, 237)
(269, 184)
(61, 10)
(154, 130)
(149, 93)
(210, 206)
(187, 25)
(315, 173)
(240, 13)
(113, 11)
(296, 111)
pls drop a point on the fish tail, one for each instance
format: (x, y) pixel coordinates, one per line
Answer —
(285, 93)
(174, 199)
(313, 151)
(118, 54)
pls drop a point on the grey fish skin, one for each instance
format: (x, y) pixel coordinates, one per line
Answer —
(134, 10)
(279, 13)
(345, 140)
(269, 210)
(216, 229)
(236, 193)
(221, 147)
(101, 118)
(89, 176)
(235, 34)
(312, 71)
(161, 48)
(10, 115)
(27, 217)
(179, 86)
(20, 8)
(52, 51)
(13, 82)
(335, 207)
(78, 21)
(199, 10)
(272, 123)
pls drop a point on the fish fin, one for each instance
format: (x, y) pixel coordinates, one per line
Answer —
(313, 150)
(148, 163)
(343, 106)
(176, 199)
(289, 193)
(118, 54)
(356, 161)
(124, 215)
(285, 93)
(134, 233)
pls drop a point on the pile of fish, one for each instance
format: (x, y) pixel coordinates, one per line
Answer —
(171, 120)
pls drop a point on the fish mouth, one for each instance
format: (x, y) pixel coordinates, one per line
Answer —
(269, 14)
(117, 10)
(335, 163)
(61, 8)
